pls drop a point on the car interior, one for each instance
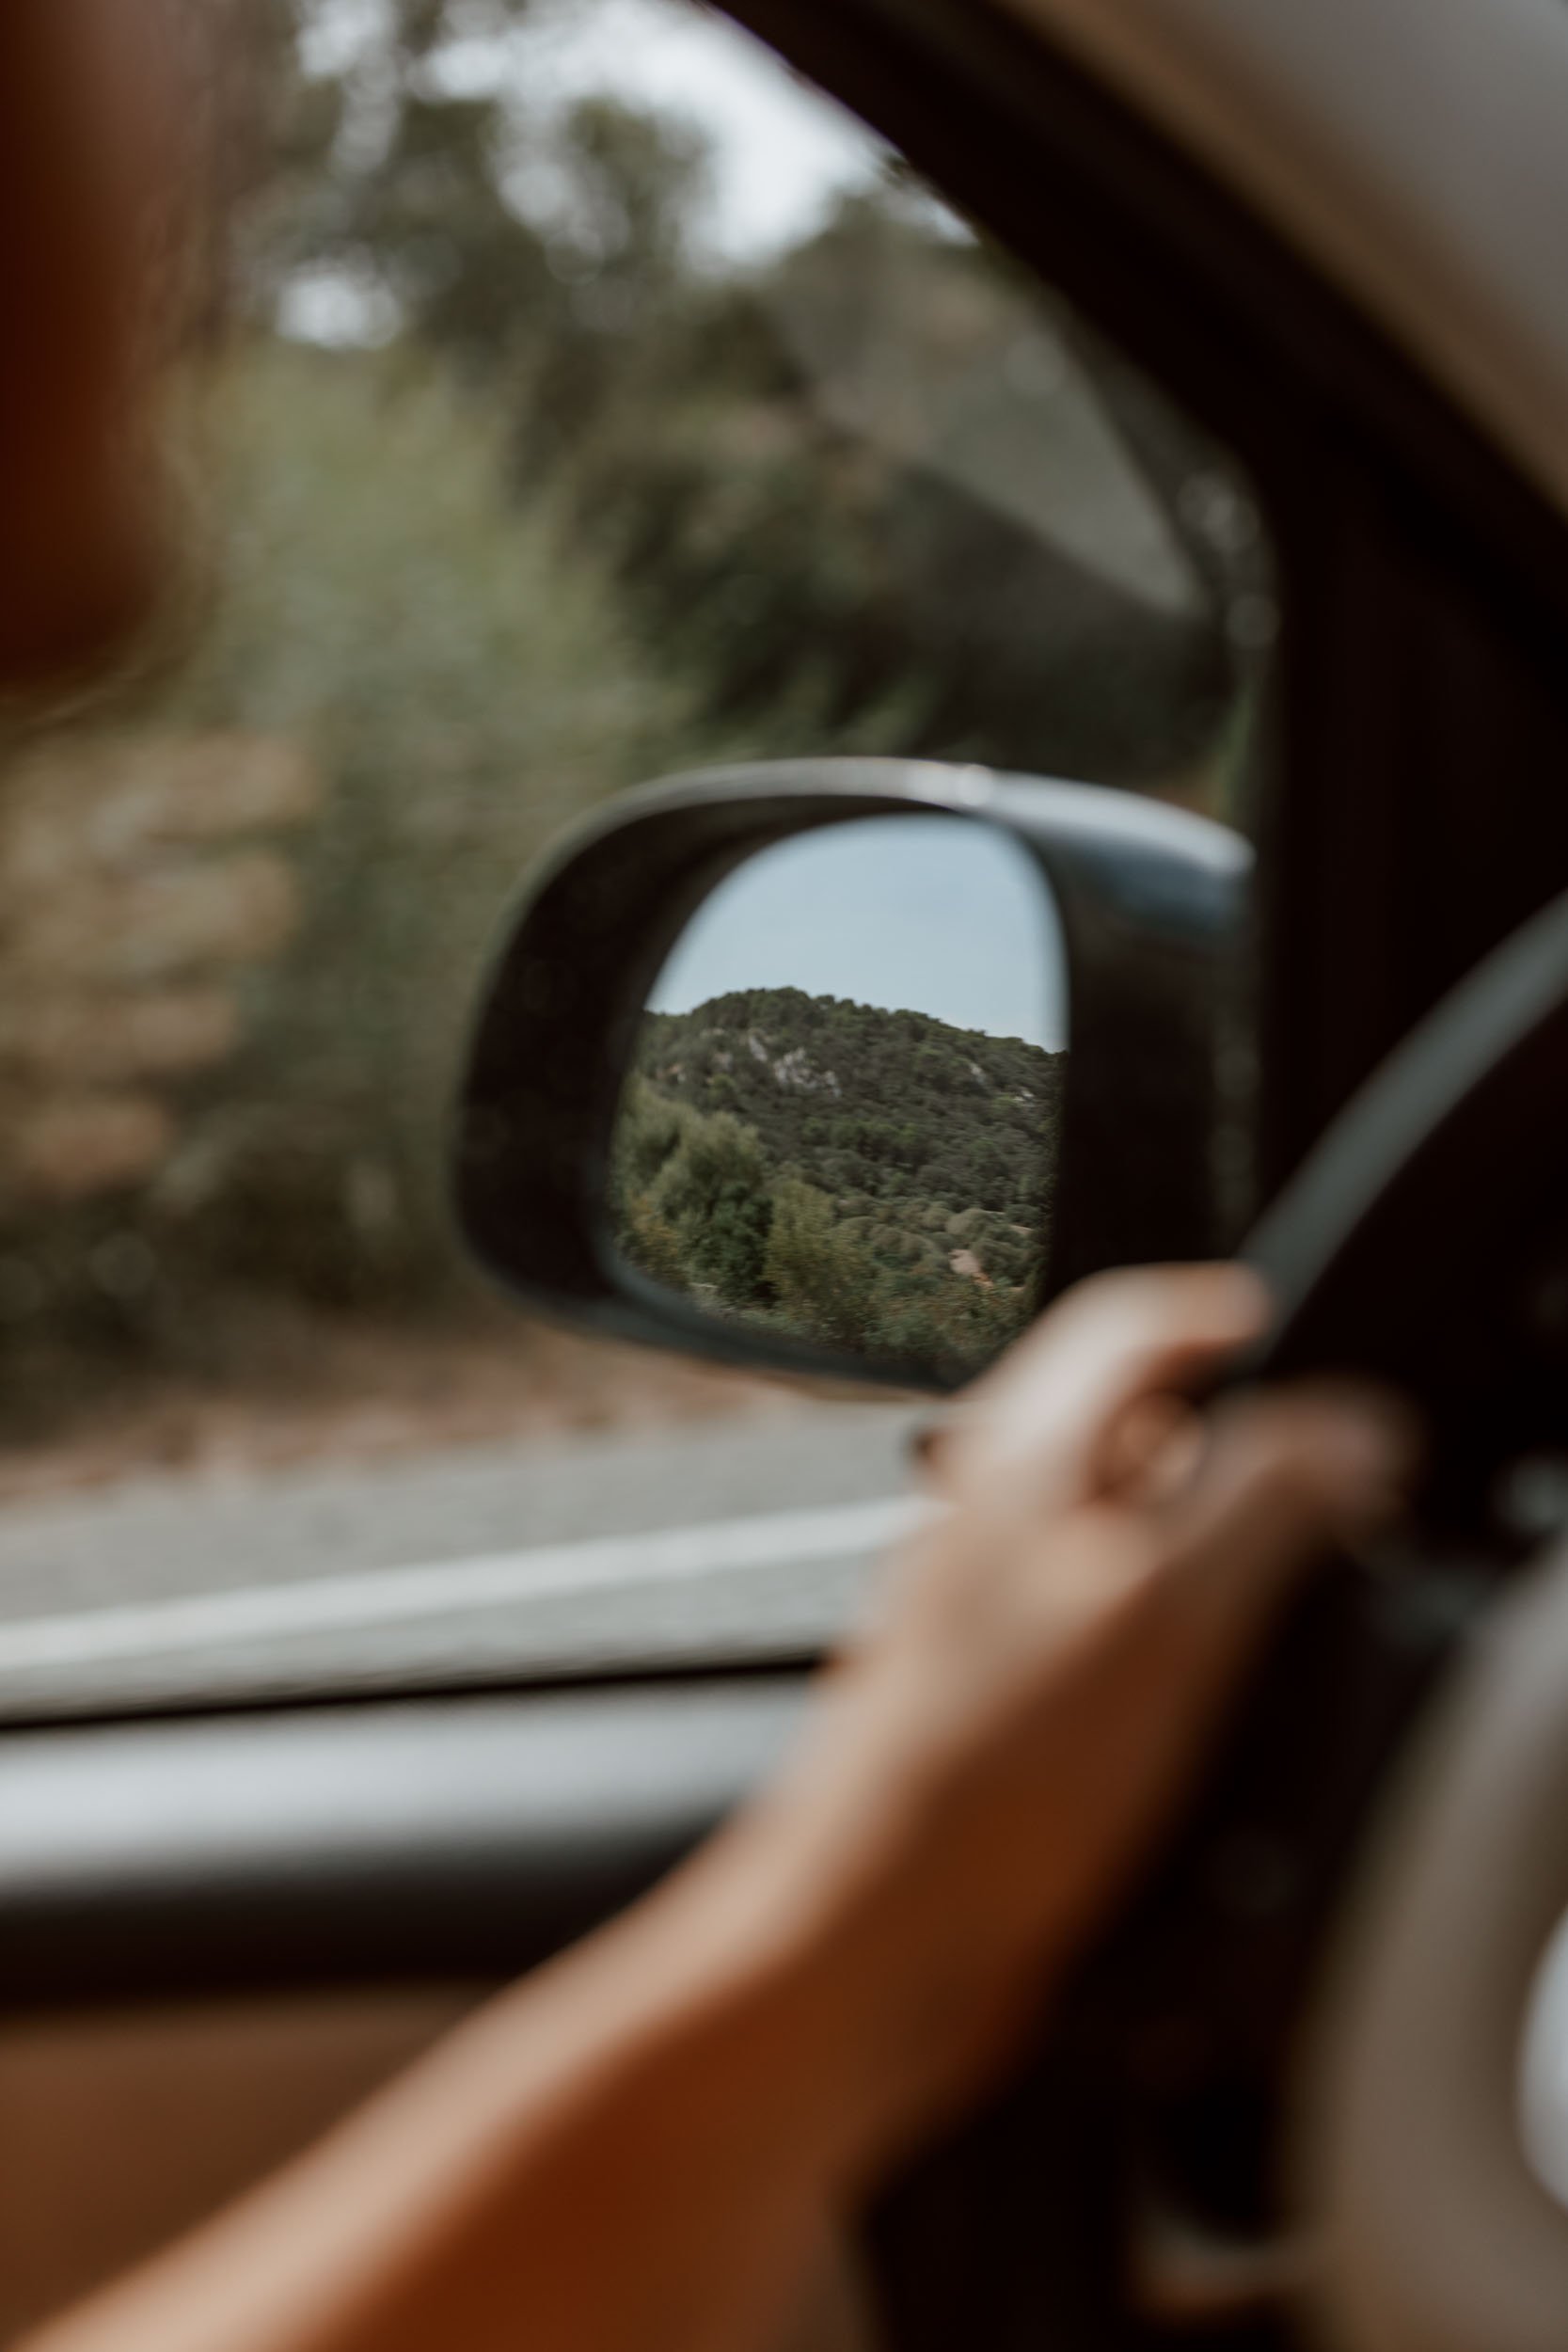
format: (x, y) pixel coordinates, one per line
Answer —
(1128, 589)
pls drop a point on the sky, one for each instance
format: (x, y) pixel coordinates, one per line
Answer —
(782, 150)
(934, 914)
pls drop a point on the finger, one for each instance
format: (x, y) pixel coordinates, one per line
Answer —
(1283, 1479)
(1117, 1338)
(1151, 1451)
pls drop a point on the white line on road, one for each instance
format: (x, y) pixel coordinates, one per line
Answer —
(263, 1613)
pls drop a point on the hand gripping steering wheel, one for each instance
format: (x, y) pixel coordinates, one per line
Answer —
(1145, 2182)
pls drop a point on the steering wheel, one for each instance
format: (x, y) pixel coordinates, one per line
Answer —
(1136, 2185)
(1436, 2231)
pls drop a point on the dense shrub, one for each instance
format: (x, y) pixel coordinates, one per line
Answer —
(729, 1186)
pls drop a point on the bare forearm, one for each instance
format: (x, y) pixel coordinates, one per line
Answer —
(635, 2150)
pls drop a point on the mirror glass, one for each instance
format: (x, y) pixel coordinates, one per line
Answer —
(840, 1121)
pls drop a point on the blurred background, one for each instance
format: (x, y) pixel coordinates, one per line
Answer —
(566, 396)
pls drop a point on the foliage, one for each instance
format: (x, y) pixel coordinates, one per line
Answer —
(465, 679)
(882, 1107)
(576, 504)
(829, 482)
(880, 1181)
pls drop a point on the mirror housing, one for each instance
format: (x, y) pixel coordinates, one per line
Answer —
(1154, 1119)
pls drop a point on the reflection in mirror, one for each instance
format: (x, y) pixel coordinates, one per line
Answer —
(841, 1120)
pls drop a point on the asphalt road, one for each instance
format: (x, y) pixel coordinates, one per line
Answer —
(732, 1538)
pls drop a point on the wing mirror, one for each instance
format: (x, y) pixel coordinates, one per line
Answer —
(847, 1066)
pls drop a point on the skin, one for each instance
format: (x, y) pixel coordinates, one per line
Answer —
(639, 2148)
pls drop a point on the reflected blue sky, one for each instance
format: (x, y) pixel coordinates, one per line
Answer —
(934, 914)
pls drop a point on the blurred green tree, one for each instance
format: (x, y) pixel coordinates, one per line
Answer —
(873, 492)
(465, 679)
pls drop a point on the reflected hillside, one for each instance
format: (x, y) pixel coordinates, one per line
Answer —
(874, 1180)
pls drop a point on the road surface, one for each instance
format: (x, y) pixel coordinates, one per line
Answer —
(737, 1537)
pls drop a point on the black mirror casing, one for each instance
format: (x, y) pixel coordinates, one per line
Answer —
(1152, 902)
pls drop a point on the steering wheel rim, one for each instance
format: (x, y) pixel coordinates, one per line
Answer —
(1204, 1982)
(1434, 2232)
